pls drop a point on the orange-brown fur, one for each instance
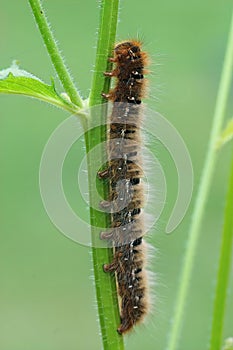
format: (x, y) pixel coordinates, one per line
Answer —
(125, 172)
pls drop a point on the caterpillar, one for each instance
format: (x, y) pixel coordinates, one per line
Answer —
(124, 173)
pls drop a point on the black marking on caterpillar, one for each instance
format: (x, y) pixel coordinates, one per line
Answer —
(124, 174)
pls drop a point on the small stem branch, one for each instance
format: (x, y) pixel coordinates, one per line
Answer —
(54, 52)
(202, 194)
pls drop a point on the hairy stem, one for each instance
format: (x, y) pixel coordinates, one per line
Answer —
(202, 194)
(54, 52)
(105, 283)
(106, 40)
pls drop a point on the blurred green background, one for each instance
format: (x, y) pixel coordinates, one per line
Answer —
(47, 297)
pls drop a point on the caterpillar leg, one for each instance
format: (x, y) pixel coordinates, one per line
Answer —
(110, 74)
(124, 327)
(110, 267)
(107, 96)
(103, 174)
(108, 206)
(106, 235)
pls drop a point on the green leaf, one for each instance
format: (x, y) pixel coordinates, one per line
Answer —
(17, 81)
(226, 135)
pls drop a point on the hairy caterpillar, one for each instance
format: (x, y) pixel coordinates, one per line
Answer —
(124, 173)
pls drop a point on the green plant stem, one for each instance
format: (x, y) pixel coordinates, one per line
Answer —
(54, 52)
(202, 194)
(105, 283)
(106, 40)
(224, 270)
